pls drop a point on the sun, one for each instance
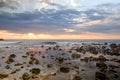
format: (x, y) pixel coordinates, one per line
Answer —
(31, 36)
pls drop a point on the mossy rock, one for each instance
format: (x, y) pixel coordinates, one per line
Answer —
(102, 58)
(12, 56)
(101, 65)
(9, 61)
(37, 62)
(100, 76)
(7, 66)
(60, 60)
(50, 65)
(34, 76)
(35, 71)
(3, 75)
(65, 69)
(77, 78)
(75, 56)
(26, 76)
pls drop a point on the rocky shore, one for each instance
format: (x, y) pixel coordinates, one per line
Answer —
(55, 62)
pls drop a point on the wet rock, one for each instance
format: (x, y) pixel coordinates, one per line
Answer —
(77, 78)
(7, 66)
(12, 56)
(112, 71)
(100, 76)
(77, 67)
(86, 59)
(34, 76)
(80, 49)
(18, 64)
(3, 57)
(25, 76)
(114, 49)
(116, 75)
(60, 60)
(13, 72)
(52, 43)
(50, 65)
(65, 69)
(9, 61)
(101, 65)
(113, 66)
(37, 62)
(75, 56)
(3, 75)
(31, 62)
(93, 50)
(113, 45)
(102, 58)
(24, 56)
(35, 71)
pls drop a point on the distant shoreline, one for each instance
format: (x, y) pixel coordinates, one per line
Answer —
(1, 39)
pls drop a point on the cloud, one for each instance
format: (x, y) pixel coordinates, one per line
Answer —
(67, 21)
(69, 30)
(109, 25)
(9, 4)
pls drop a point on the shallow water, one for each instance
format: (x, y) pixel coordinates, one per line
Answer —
(19, 48)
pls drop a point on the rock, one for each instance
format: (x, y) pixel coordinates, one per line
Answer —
(52, 43)
(7, 67)
(102, 58)
(34, 76)
(25, 76)
(31, 62)
(9, 60)
(35, 71)
(113, 66)
(37, 62)
(24, 56)
(50, 65)
(12, 56)
(13, 72)
(101, 65)
(77, 78)
(100, 76)
(93, 50)
(3, 75)
(113, 45)
(75, 56)
(60, 60)
(77, 67)
(86, 59)
(65, 69)
(112, 71)
(116, 75)
(18, 64)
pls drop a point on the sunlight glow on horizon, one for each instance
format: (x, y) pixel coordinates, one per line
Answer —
(8, 35)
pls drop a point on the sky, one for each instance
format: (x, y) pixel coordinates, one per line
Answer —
(60, 19)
